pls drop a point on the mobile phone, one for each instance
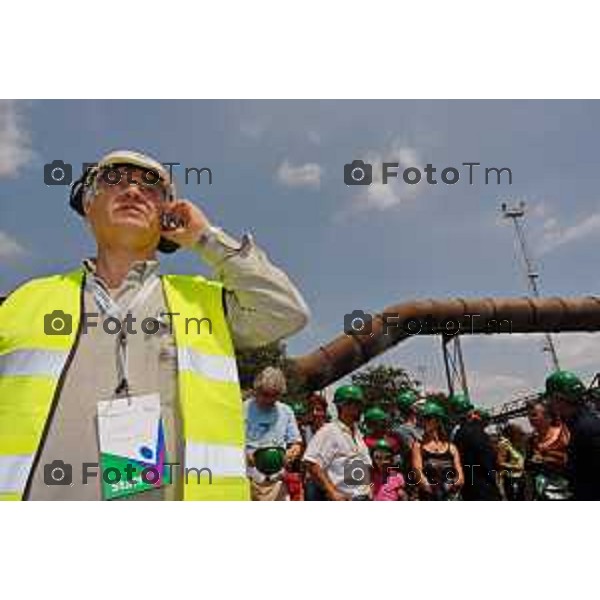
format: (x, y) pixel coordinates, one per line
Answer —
(169, 221)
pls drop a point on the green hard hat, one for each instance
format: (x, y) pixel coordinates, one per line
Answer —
(433, 409)
(269, 460)
(382, 444)
(375, 414)
(460, 403)
(405, 399)
(564, 382)
(298, 407)
(348, 393)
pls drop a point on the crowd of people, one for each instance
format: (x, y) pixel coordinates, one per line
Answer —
(415, 448)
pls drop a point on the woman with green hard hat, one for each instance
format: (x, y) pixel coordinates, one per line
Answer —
(301, 412)
(317, 405)
(546, 458)
(436, 468)
(387, 479)
(377, 421)
(294, 471)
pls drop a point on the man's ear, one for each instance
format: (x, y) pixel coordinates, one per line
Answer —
(86, 203)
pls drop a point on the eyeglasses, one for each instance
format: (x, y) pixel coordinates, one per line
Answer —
(146, 180)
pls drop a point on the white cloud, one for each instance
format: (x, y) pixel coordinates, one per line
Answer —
(491, 389)
(253, 129)
(578, 350)
(380, 196)
(539, 209)
(575, 349)
(314, 137)
(307, 175)
(9, 247)
(15, 149)
(548, 231)
(554, 235)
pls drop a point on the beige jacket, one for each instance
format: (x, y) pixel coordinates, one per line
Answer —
(262, 306)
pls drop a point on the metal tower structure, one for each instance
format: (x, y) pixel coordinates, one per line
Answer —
(456, 375)
(517, 214)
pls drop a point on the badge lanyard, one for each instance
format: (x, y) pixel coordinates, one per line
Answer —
(111, 308)
(351, 433)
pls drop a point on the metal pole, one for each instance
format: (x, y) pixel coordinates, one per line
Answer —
(516, 214)
(456, 375)
(461, 363)
(448, 365)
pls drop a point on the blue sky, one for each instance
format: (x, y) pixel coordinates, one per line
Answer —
(278, 172)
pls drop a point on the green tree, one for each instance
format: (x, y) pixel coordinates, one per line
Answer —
(382, 383)
(251, 361)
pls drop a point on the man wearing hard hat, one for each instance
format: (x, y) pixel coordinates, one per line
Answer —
(337, 457)
(117, 382)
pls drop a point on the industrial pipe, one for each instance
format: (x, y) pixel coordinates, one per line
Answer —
(346, 353)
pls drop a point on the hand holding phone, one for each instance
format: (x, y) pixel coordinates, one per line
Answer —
(170, 221)
(183, 223)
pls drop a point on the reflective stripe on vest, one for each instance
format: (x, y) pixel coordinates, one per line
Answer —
(201, 460)
(13, 472)
(222, 461)
(31, 364)
(219, 368)
(215, 472)
(48, 363)
(209, 393)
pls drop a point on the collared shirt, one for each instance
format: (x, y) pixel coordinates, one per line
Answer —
(339, 450)
(261, 304)
(270, 426)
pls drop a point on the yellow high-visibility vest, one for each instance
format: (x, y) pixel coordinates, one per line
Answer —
(33, 366)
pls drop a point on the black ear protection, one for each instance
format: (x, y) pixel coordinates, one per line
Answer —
(78, 190)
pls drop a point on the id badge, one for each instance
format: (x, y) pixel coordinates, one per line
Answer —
(132, 446)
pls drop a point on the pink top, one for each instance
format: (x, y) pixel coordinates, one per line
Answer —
(388, 490)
